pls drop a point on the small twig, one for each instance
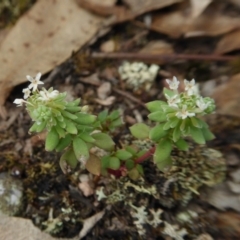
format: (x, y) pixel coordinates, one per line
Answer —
(129, 96)
(160, 57)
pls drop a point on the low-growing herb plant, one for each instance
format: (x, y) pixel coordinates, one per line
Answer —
(75, 132)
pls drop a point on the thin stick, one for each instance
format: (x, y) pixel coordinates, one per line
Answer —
(160, 57)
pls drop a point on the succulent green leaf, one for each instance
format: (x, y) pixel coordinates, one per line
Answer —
(167, 125)
(86, 137)
(68, 159)
(61, 132)
(71, 127)
(140, 169)
(85, 118)
(182, 144)
(157, 132)
(74, 103)
(80, 148)
(197, 135)
(130, 150)
(176, 134)
(104, 141)
(123, 154)
(155, 105)
(162, 166)
(73, 109)
(195, 122)
(208, 135)
(162, 152)
(63, 143)
(158, 116)
(102, 115)
(105, 161)
(133, 174)
(114, 115)
(129, 164)
(116, 123)
(168, 92)
(52, 140)
(114, 163)
(140, 130)
(174, 122)
(69, 115)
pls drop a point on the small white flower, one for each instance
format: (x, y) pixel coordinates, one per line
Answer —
(191, 87)
(173, 84)
(19, 102)
(173, 101)
(201, 104)
(46, 95)
(26, 92)
(183, 113)
(34, 81)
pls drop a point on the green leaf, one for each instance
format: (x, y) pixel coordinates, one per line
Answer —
(52, 140)
(140, 130)
(167, 125)
(168, 92)
(116, 123)
(130, 150)
(140, 169)
(163, 151)
(162, 166)
(158, 116)
(61, 132)
(70, 158)
(74, 103)
(86, 137)
(80, 149)
(157, 132)
(114, 163)
(197, 135)
(73, 109)
(176, 134)
(123, 154)
(129, 164)
(174, 122)
(114, 115)
(105, 161)
(85, 118)
(93, 165)
(208, 135)
(103, 141)
(155, 105)
(195, 122)
(64, 142)
(133, 174)
(71, 127)
(182, 145)
(102, 115)
(69, 115)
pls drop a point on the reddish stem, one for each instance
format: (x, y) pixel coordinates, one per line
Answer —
(145, 156)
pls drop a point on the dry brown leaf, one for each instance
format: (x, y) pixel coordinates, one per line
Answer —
(235, 2)
(142, 6)
(229, 42)
(178, 23)
(105, 3)
(13, 228)
(158, 47)
(93, 165)
(43, 38)
(227, 96)
(198, 7)
(104, 90)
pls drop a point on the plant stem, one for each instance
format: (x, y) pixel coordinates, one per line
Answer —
(145, 156)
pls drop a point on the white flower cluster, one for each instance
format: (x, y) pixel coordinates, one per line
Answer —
(44, 95)
(138, 74)
(188, 103)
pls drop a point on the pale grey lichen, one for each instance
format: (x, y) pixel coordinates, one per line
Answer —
(11, 193)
